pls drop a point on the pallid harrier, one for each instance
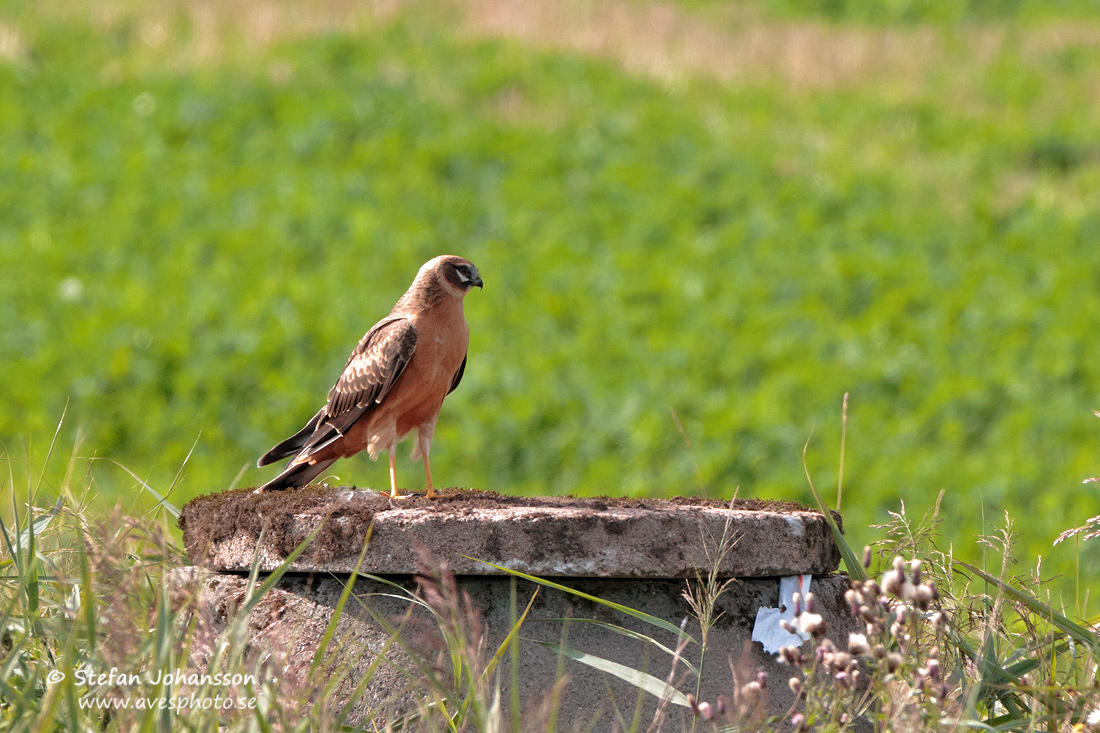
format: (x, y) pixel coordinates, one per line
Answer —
(394, 381)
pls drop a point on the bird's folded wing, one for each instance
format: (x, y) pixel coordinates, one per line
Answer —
(370, 373)
(458, 375)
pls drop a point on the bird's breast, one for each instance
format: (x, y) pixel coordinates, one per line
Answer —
(439, 357)
(442, 340)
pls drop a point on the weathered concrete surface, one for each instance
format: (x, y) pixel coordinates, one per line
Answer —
(547, 537)
(633, 552)
(290, 621)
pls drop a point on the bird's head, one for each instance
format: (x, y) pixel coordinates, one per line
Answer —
(457, 275)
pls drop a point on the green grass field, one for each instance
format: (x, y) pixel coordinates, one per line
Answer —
(737, 213)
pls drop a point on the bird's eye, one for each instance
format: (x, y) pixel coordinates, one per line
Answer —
(463, 273)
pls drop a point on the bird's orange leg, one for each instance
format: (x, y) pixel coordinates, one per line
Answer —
(427, 466)
(393, 473)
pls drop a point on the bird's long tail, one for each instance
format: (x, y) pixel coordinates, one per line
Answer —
(294, 443)
(295, 476)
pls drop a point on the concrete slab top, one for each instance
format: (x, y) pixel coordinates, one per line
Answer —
(544, 536)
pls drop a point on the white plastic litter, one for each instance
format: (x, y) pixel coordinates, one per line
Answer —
(767, 630)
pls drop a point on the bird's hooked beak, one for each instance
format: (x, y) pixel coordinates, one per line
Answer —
(477, 282)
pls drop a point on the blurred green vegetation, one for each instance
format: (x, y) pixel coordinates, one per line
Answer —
(199, 217)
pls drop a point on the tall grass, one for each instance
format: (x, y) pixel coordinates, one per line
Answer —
(946, 645)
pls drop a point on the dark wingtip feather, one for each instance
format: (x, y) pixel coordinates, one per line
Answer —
(295, 477)
(293, 444)
(273, 455)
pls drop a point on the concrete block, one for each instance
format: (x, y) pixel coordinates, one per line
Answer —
(641, 553)
(547, 537)
(290, 621)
